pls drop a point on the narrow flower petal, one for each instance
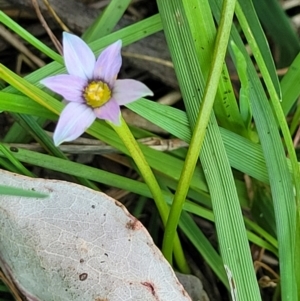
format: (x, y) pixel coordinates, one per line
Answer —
(129, 90)
(110, 111)
(69, 86)
(73, 121)
(109, 63)
(79, 58)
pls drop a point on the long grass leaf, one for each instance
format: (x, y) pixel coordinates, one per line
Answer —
(228, 216)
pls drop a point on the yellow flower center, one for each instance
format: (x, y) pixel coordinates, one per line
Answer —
(96, 94)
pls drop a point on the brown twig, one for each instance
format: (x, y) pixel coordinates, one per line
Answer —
(53, 38)
(297, 137)
(56, 17)
(12, 287)
(15, 42)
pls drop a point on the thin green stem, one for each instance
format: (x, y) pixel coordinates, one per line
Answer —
(200, 126)
(129, 141)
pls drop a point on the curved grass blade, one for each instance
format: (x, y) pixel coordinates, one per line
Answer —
(215, 163)
(201, 123)
(225, 105)
(254, 28)
(107, 20)
(6, 190)
(279, 29)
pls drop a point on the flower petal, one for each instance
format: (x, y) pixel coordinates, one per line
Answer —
(69, 86)
(110, 111)
(129, 90)
(79, 58)
(73, 121)
(109, 63)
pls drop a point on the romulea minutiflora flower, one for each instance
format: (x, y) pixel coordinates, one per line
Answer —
(91, 87)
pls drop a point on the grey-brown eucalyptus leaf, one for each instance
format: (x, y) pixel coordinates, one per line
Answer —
(79, 244)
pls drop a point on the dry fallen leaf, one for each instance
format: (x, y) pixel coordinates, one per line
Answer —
(79, 244)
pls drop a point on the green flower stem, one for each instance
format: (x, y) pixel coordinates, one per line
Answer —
(129, 141)
(200, 126)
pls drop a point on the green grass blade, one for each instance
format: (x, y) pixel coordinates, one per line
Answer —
(31, 126)
(290, 86)
(195, 235)
(280, 179)
(24, 34)
(279, 28)
(246, 10)
(23, 105)
(215, 163)
(13, 191)
(107, 20)
(243, 154)
(201, 123)
(16, 163)
(281, 185)
(287, 282)
(225, 105)
(79, 170)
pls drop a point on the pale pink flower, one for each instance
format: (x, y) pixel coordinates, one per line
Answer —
(91, 88)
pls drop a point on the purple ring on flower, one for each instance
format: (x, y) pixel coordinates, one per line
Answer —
(91, 88)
